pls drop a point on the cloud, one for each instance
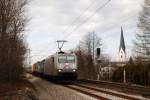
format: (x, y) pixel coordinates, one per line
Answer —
(50, 18)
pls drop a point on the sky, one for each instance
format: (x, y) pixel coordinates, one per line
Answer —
(50, 20)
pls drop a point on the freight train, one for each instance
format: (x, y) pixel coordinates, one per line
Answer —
(60, 65)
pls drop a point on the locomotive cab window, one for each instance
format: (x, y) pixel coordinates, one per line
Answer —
(62, 59)
(70, 59)
(66, 59)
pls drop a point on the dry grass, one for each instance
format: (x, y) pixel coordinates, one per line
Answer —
(23, 87)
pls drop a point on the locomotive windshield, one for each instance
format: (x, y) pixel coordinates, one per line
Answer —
(62, 59)
(66, 59)
(70, 59)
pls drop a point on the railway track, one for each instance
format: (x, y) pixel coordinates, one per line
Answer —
(101, 94)
(93, 89)
(144, 91)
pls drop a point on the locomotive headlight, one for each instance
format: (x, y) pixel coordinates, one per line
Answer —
(59, 70)
(74, 70)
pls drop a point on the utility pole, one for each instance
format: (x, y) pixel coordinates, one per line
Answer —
(124, 74)
(124, 70)
(93, 47)
(29, 56)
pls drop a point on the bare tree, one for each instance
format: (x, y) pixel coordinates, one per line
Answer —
(89, 44)
(144, 23)
(86, 55)
(12, 47)
(142, 47)
(142, 42)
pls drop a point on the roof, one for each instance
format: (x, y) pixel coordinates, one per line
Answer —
(122, 43)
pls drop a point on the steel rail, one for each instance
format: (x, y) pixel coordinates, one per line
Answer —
(137, 89)
(107, 92)
(87, 93)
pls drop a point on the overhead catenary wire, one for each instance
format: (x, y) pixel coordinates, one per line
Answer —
(81, 14)
(117, 24)
(112, 25)
(97, 10)
(76, 19)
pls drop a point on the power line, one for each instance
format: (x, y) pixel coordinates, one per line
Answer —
(76, 19)
(97, 10)
(117, 24)
(114, 24)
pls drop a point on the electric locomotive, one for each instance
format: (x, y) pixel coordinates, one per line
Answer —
(60, 65)
(63, 65)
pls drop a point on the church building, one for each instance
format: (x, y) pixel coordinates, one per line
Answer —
(122, 49)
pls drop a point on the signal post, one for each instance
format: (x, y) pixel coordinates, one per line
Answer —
(98, 52)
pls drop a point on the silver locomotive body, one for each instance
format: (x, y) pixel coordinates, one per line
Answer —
(59, 65)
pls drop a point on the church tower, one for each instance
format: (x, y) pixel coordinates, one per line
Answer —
(122, 48)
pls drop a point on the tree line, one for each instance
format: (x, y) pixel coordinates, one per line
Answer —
(137, 72)
(12, 45)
